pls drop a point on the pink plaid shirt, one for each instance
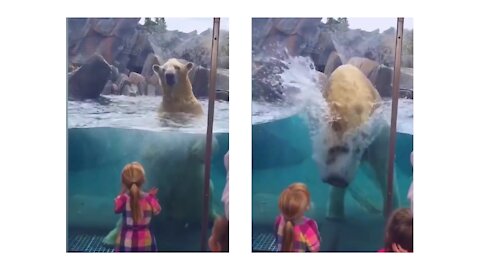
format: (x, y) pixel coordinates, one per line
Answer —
(305, 234)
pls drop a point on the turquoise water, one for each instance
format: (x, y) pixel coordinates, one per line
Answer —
(287, 147)
(282, 154)
(99, 146)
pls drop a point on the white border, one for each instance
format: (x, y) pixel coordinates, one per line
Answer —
(33, 141)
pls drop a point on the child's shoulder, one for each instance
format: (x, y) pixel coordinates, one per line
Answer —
(309, 222)
(122, 196)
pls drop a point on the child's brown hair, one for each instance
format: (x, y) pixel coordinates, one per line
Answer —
(400, 230)
(133, 177)
(293, 202)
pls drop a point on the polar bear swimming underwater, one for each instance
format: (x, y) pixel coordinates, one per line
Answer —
(352, 100)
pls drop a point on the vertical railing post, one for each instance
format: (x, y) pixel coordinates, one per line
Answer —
(393, 122)
(208, 148)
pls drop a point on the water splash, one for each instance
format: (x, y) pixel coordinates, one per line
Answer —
(301, 75)
(306, 99)
(302, 89)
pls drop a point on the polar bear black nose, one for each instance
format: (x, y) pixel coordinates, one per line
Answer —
(170, 78)
(336, 181)
(338, 149)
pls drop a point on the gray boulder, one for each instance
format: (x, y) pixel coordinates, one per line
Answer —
(89, 80)
(333, 62)
(266, 81)
(121, 41)
(107, 90)
(122, 80)
(200, 77)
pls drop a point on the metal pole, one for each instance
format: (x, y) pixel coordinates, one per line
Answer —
(393, 122)
(208, 149)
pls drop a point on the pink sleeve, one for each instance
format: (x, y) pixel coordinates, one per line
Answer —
(313, 236)
(156, 208)
(120, 202)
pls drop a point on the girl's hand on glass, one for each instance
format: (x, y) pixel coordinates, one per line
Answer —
(153, 191)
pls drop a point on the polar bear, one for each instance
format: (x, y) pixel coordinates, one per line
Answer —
(178, 96)
(178, 173)
(352, 137)
(176, 167)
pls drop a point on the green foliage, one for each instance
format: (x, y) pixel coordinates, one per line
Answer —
(224, 50)
(157, 25)
(339, 24)
(407, 47)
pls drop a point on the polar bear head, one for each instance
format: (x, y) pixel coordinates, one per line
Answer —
(173, 74)
(341, 162)
(342, 155)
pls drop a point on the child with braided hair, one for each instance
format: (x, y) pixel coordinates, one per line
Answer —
(137, 208)
(296, 232)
